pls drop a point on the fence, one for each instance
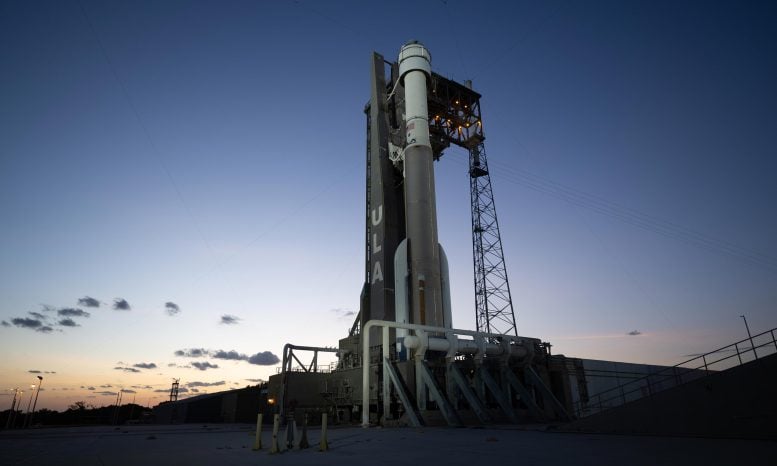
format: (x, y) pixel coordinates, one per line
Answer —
(721, 359)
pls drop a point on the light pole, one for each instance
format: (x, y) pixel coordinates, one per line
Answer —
(749, 336)
(13, 407)
(29, 403)
(16, 411)
(34, 404)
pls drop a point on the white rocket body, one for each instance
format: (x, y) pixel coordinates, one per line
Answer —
(421, 300)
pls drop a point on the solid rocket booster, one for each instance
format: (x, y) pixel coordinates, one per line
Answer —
(425, 290)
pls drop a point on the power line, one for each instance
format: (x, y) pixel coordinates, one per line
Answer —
(154, 150)
(631, 216)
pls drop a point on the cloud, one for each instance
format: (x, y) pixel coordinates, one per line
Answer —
(342, 313)
(145, 365)
(34, 371)
(106, 386)
(230, 355)
(44, 329)
(68, 323)
(126, 369)
(167, 390)
(106, 393)
(72, 312)
(5, 324)
(90, 388)
(120, 304)
(192, 352)
(49, 372)
(142, 387)
(255, 380)
(635, 333)
(229, 319)
(206, 384)
(26, 322)
(171, 308)
(265, 358)
(203, 366)
(88, 301)
(195, 390)
(37, 315)
(126, 390)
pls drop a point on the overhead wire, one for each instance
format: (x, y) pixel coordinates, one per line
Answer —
(154, 149)
(630, 216)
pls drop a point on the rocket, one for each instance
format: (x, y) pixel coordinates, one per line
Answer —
(421, 278)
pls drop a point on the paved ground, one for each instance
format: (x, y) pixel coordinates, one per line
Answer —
(231, 445)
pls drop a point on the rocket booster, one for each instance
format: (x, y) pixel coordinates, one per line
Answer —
(425, 287)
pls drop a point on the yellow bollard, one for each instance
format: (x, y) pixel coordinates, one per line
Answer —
(258, 440)
(276, 424)
(323, 445)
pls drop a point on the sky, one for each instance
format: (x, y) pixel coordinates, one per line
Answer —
(182, 182)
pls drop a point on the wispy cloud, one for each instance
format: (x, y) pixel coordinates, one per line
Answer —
(32, 324)
(68, 323)
(203, 366)
(5, 324)
(88, 301)
(205, 384)
(145, 365)
(233, 355)
(120, 304)
(37, 315)
(591, 337)
(172, 309)
(33, 371)
(192, 352)
(72, 312)
(126, 390)
(106, 393)
(228, 319)
(167, 390)
(255, 380)
(264, 358)
(342, 312)
(106, 386)
(126, 369)
(634, 333)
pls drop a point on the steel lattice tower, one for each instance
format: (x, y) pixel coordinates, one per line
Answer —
(493, 304)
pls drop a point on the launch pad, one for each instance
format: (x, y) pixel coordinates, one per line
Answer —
(403, 362)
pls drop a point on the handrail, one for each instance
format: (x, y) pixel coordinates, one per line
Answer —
(596, 403)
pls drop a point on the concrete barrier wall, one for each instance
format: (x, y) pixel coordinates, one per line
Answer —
(738, 403)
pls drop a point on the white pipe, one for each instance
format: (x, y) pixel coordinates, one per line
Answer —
(426, 328)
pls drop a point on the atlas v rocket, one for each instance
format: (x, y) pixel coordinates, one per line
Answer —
(407, 272)
(428, 303)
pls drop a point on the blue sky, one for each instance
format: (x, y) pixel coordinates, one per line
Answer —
(211, 154)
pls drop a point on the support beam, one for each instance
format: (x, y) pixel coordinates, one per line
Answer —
(391, 374)
(526, 396)
(493, 387)
(427, 379)
(533, 378)
(455, 375)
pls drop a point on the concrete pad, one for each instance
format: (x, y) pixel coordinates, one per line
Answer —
(231, 445)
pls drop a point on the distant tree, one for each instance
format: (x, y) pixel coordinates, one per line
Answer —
(80, 406)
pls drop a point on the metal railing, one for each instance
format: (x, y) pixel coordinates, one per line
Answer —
(721, 359)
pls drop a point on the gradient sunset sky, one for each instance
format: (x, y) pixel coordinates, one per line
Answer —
(190, 174)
